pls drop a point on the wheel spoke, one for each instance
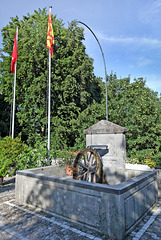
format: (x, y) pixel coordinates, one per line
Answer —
(82, 175)
(94, 178)
(89, 156)
(89, 177)
(91, 160)
(83, 166)
(85, 176)
(84, 160)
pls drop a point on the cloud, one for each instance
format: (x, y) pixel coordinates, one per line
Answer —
(143, 61)
(130, 40)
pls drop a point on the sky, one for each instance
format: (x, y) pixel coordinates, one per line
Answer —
(128, 31)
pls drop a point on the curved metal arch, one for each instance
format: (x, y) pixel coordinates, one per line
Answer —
(103, 62)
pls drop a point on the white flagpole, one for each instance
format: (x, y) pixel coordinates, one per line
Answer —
(49, 100)
(49, 103)
(14, 93)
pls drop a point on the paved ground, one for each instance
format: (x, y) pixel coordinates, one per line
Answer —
(150, 227)
(20, 222)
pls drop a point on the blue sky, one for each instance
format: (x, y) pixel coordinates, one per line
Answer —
(128, 31)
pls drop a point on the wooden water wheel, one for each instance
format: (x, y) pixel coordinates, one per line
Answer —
(88, 166)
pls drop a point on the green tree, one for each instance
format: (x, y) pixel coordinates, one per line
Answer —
(4, 117)
(133, 106)
(95, 112)
(136, 107)
(73, 85)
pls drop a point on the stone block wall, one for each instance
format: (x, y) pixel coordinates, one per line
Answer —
(111, 210)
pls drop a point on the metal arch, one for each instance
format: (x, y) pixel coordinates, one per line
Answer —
(103, 62)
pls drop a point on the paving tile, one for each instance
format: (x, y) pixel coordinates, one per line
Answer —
(151, 228)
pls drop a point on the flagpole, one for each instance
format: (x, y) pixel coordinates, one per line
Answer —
(49, 99)
(49, 103)
(14, 94)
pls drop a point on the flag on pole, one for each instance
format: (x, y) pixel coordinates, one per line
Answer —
(50, 35)
(14, 54)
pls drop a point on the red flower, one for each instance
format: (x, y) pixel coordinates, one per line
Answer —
(75, 152)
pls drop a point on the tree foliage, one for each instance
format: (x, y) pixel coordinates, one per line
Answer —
(73, 86)
(5, 110)
(77, 95)
(135, 107)
(138, 108)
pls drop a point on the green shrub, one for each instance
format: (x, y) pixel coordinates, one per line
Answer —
(141, 154)
(65, 156)
(133, 160)
(147, 157)
(27, 159)
(33, 157)
(157, 159)
(149, 162)
(15, 155)
(10, 149)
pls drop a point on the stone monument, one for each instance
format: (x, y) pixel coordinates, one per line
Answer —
(112, 135)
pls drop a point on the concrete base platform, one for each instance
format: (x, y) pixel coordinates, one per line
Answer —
(111, 210)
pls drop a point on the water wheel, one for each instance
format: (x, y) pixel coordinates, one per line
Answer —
(88, 166)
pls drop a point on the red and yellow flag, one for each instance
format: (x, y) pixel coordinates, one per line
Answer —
(50, 36)
(14, 54)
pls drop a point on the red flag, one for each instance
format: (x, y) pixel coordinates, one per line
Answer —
(14, 54)
(50, 35)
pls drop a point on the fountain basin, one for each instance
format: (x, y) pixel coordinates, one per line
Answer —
(112, 210)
